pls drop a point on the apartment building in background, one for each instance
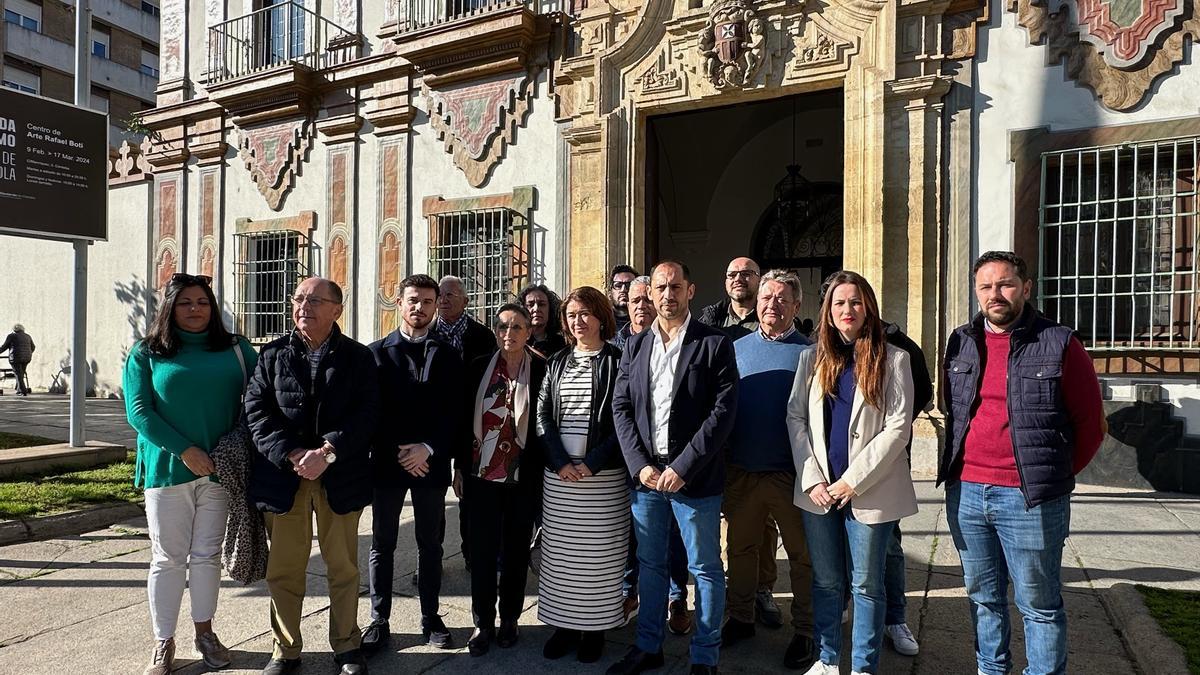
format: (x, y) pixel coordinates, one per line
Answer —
(38, 43)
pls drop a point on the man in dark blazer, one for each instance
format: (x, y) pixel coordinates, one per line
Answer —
(674, 406)
(420, 380)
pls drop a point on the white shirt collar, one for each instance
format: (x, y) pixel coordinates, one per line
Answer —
(786, 334)
(658, 335)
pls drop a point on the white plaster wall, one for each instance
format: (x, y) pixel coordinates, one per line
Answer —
(37, 292)
(532, 160)
(1015, 90)
(372, 15)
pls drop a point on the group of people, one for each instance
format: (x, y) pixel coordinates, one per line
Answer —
(638, 444)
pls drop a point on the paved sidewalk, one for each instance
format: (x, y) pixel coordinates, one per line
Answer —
(49, 416)
(78, 604)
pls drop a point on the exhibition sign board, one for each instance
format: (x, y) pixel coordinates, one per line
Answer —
(53, 168)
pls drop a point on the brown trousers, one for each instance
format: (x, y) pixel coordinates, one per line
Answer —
(287, 566)
(751, 500)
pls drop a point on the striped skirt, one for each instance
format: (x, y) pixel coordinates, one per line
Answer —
(585, 540)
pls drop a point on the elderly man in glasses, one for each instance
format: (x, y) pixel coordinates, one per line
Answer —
(311, 407)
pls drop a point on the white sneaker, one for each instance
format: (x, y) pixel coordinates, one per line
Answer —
(902, 639)
(819, 668)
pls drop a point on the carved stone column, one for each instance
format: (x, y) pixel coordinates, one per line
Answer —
(588, 226)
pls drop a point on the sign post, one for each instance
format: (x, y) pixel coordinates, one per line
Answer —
(83, 95)
(54, 185)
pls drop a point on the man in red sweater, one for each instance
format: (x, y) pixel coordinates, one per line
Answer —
(1023, 417)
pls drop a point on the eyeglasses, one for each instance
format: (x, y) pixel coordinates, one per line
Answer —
(743, 274)
(183, 278)
(310, 300)
(618, 285)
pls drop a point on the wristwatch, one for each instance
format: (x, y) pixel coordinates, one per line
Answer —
(330, 455)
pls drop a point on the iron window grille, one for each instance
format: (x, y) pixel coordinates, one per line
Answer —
(488, 249)
(267, 269)
(1117, 249)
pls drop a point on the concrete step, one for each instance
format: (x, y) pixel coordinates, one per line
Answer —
(43, 458)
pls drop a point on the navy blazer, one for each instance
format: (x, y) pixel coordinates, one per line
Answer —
(702, 412)
(415, 409)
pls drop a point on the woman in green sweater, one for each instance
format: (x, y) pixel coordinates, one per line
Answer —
(183, 388)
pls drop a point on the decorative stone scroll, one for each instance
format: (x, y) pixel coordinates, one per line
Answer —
(664, 76)
(273, 154)
(821, 48)
(1116, 48)
(477, 122)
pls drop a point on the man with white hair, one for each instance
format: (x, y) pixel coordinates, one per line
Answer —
(761, 472)
(456, 327)
(22, 353)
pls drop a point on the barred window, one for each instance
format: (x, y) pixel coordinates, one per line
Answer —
(267, 269)
(1117, 253)
(488, 249)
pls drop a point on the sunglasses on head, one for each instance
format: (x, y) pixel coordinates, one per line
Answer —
(183, 278)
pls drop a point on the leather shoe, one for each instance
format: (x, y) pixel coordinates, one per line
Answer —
(800, 654)
(481, 641)
(434, 630)
(701, 669)
(561, 643)
(508, 634)
(591, 646)
(352, 663)
(636, 661)
(281, 666)
(734, 632)
(375, 636)
(679, 618)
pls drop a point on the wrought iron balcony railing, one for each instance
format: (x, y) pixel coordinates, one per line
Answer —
(414, 15)
(285, 33)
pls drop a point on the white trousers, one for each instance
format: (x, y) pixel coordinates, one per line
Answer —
(187, 526)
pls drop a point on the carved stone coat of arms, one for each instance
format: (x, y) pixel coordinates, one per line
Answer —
(732, 44)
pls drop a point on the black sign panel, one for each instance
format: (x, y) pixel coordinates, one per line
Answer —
(53, 168)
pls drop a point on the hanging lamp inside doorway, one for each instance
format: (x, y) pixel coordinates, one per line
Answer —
(793, 194)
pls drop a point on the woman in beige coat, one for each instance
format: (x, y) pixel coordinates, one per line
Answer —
(850, 417)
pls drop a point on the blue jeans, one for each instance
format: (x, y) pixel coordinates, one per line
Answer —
(997, 537)
(830, 537)
(676, 560)
(699, 521)
(893, 580)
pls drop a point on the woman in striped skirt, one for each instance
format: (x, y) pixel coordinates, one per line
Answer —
(585, 504)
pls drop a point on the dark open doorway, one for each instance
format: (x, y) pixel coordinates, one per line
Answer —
(760, 179)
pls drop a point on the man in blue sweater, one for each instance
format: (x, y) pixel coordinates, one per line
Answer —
(761, 473)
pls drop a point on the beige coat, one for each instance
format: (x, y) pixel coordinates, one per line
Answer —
(879, 469)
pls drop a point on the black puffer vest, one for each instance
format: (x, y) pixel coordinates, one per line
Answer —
(1042, 435)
